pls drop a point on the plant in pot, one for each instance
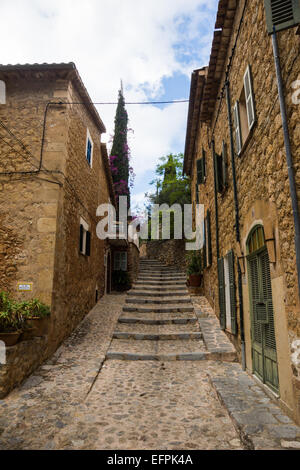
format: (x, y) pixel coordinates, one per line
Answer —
(11, 321)
(194, 270)
(121, 280)
(36, 315)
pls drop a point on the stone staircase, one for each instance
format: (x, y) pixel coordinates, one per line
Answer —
(158, 321)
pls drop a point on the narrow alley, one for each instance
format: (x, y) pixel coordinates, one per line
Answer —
(150, 370)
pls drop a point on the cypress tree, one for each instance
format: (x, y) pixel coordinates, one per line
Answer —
(120, 154)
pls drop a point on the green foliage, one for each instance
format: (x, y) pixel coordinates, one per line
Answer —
(194, 263)
(11, 319)
(13, 314)
(121, 280)
(34, 309)
(172, 187)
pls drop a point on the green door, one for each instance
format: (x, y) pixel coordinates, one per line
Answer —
(262, 315)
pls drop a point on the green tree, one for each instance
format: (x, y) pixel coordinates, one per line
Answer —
(120, 152)
(171, 186)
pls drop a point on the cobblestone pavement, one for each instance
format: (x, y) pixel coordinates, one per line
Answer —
(80, 400)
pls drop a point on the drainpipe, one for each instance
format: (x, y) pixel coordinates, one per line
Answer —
(289, 158)
(237, 224)
(216, 200)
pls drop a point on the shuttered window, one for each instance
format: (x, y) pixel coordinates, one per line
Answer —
(222, 304)
(282, 14)
(208, 240)
(232, 293)
(200, 171)
(197, 193)
(249, 98)
(237, 127)
(89, 149)
(224, 165)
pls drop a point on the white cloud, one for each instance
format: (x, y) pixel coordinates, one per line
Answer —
(109, 40)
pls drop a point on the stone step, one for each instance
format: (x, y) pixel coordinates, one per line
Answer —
(152, 319)
(154, 293)
(139, 346)
(169, 357)
(162, 283)
(158, 289)
(158, 309)
(161, 274)
(160, 271)
(159, 279)
(157, 329)
(158, 301)
(157, 336)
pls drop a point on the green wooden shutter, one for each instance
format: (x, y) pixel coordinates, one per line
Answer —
(209, 248)
(222, 302)
(88, 244)
(224, 165)
(204, 162)
(197, 194)
(232, 293)
(219, 171)
(204, 245)
(81, 239)
(282, 14)
(267, 296)
(200, 175)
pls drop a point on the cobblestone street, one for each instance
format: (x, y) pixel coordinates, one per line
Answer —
(90, 396)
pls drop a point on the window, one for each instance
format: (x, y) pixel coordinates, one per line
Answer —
(282, 14)
(84, 239)
(89, 149)
(120, 261)
(244, 112)
(201, 168)
(227, 293)
(221, 169)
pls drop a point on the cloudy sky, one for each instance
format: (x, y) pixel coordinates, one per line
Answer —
(153, 46)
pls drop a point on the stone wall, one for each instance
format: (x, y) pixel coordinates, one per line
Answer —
(169, 252)
(40, 213)
(262, 181)
(133, 261)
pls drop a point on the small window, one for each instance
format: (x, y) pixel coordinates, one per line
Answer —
(221, 169)
(84, 238)
(89, 149)
(120, 261)
(201, 168)
(244, 112)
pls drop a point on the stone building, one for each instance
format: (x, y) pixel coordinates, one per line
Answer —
(54, 173)
(236, 157)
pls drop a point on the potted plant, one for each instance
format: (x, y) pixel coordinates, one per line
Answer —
(121, 280)
(36, 315)
(11, 321)
(194, 270)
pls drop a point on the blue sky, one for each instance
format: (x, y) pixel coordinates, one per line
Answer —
(152, 46)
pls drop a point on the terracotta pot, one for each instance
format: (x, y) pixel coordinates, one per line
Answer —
(10, 339)
(195, 280)
(39, 325)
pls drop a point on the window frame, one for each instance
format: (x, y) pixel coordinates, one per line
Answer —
(85, 241)
(89, 139)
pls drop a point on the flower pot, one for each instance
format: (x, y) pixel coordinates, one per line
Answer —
(27, 334)
(195, 280)
(39, 325)
(10, 339)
